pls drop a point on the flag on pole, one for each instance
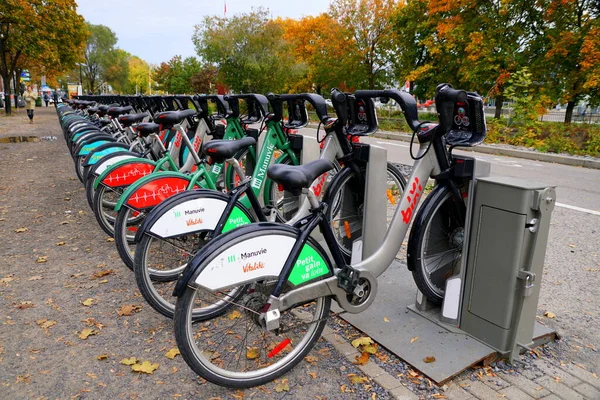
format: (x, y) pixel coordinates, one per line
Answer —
(225, 9)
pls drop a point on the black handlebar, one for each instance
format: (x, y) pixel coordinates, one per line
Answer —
(338, 99)
(445, 92)
(406, 102)
(314, 99)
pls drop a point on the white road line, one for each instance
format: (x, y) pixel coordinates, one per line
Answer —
(585, 210)
(393, 144)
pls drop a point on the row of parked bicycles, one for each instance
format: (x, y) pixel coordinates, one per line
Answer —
(213, 204)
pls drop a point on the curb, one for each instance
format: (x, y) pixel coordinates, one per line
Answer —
(564, 159)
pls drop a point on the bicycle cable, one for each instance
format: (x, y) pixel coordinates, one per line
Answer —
(412, 139)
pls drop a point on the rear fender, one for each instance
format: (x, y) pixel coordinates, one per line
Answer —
(125, 172)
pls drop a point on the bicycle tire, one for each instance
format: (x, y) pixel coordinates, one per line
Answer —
(105, 199)
(206, 366)
(126, 224)
(437, 228)
(347, 225)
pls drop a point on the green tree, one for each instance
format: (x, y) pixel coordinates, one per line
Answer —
(249, 51)
(25, 39)
(139, 76)
(369, 24)
(116, 72)
(99, 53)
(204, 81)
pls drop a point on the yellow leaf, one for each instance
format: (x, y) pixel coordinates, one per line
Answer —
(172, 353)
(24, 304)
(110, 239)
(362, 341)
(35, 278)
(44, 323)
(102, 273)
(282, 386)
(357, 379)
(61, 243)
(385, 319)
(429, 359)
(88, 302)
(362, 359)
(41, 259)
(311, 359)
(234, 314)
(549, 314)
(372, 349)
(129, 361)
(102, 357)
(146, 367)
(128, 309)
(414, 339)
(86, 332)
(312, 375)
(252, 353)
(19, 230)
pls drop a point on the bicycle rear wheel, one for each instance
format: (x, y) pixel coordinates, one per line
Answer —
(235, 350)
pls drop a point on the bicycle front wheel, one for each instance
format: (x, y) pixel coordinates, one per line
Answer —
(234, 349)
(435, 243)
(345, 197)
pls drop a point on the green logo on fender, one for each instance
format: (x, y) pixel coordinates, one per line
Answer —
(309, 265)
(236, 218)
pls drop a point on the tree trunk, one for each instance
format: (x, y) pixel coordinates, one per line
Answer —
(7, 92)
(569, 112)
(499, 101)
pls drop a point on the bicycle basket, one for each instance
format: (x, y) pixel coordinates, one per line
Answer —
(465, 120)
(362, 119)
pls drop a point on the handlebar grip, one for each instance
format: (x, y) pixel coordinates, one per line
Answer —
(445, 92)
(338, 96)
(339, 100)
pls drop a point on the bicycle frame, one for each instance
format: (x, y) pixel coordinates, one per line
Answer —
(367, 270)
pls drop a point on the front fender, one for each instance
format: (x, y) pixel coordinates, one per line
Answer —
(150, 190)
(125, 172)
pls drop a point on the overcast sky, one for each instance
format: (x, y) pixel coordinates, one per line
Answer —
(157, 30)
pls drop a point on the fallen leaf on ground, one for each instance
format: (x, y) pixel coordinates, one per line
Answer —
(87, 332)
(385, 319)
(44, 323)
(146, 367)
(128, 309)
(414, 339)
(88, 302)
(7, 279)
(19, 230)
(372, 349)
(129, 361)
(429, 359)
(41, 259)
(549, 314)
(35, 278)
(102, 357)
(24, 304)
(172, 353)
(357, 379)
(438, 396)
(61, 243)
(282, 386)
(110, 239)
(252, 353)
(362, 341)
(312, 375)
(311, 359)
(234, 314)
(362, 359)
(102, 273)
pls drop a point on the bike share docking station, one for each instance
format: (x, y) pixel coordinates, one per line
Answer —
(490, 305)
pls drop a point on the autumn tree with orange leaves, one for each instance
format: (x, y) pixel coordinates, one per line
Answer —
(26, 40)
(325, 48)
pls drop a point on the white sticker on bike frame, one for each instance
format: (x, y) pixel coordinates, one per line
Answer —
(103, 165)
(190, 216)
(259, 257)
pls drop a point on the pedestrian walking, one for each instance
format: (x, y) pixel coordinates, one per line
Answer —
(55, 98)
(30, 97)
(46, 98)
